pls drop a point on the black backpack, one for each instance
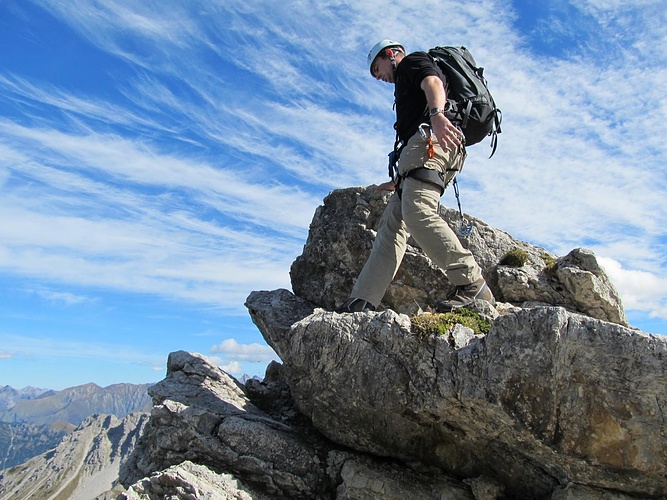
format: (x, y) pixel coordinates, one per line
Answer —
(469, 99)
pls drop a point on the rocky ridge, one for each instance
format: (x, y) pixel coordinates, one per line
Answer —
(83, 466)
(559, 400)
(33, 421)
(342, 233)
(20, 442)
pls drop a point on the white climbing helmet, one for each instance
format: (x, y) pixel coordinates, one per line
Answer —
(379, 47)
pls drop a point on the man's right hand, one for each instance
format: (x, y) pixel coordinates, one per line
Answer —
(446, 132)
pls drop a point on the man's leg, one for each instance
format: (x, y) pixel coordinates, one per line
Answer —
(420, 212)
(386, 255)
(433, 234)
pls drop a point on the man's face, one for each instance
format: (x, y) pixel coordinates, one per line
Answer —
(383, 69)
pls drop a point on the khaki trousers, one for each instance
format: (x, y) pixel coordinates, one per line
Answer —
(416, 213)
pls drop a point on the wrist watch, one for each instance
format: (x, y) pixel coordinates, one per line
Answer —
(435, 111)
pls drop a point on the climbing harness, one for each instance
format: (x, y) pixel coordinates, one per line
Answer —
(430, 175)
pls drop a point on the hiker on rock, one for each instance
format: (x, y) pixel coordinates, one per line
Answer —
(432, 151)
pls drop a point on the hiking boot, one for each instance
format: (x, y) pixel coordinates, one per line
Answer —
(355, 305)
(464, 295)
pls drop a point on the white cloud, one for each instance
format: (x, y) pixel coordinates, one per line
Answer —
(234, 368)
(130, 162)
(78, 226)
(641, 290)
(6, 355)
(244, 352)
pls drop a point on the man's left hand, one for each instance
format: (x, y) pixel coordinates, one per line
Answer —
(387, 186)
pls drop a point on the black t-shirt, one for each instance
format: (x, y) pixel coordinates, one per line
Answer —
(411, 105)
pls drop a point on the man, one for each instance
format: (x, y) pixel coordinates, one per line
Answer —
(429, 160)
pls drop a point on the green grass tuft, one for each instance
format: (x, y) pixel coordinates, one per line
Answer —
(442, 323)
(550, 264)
(515, 258)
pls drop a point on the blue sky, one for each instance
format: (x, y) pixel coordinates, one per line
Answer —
(161, 160)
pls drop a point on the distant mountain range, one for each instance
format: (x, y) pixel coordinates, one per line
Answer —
(10, 396)
(69, 443)
(84, 465)
(247, 377)
(75, 404)
(33, 420)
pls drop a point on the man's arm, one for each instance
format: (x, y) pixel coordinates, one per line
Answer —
(446, 133)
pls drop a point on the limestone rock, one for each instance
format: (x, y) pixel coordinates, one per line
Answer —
(550, 404)
(342, 233)
(589, 286)
(340, 238)
(191, 481)
(202, 414)
(252, 441)
(367, 479)
(547, 398)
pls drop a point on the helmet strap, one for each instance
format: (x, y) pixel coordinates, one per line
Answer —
(392, 57)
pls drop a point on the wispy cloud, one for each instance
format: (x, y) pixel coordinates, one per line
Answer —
(48, 347)
(63, 297)
(200, 175)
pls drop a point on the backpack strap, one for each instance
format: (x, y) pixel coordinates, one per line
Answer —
(394, 155)
(497, 120)
(466, 114)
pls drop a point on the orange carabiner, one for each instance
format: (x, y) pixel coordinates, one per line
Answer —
(425, 132)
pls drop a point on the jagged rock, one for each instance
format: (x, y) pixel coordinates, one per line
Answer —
(360, 479)
(577, 492)
(549, 404)
(84, 465)
(589, 286)
(341, 236)
(191, 481)
(366, 479)
(202, 415)
(546, 399)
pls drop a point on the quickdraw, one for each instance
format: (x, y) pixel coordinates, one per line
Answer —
(466, 226)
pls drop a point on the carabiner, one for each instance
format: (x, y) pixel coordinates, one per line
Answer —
(425, 132)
